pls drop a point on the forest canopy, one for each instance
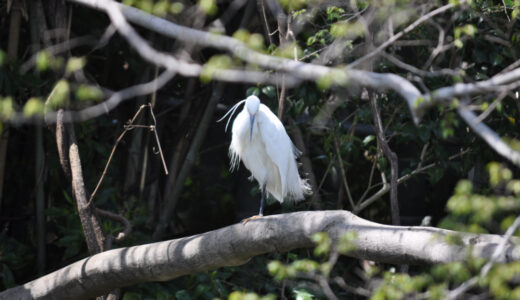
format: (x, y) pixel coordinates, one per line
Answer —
(114, 171)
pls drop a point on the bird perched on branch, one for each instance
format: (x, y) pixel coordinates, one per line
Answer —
(260, 141)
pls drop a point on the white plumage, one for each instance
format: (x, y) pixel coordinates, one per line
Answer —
(261, 142)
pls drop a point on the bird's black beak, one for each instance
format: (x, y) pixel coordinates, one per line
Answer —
(252, 121)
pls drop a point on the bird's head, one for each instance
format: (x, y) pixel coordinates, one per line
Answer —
(252, 105)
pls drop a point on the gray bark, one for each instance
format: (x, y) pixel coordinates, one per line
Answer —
(236, 244)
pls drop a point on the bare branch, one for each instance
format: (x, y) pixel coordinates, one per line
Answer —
(343, 171)
(128, 127)
(498, 83)
(127, 228)
(409, 28)
(444, 72)
(386, 187)
(489, 136)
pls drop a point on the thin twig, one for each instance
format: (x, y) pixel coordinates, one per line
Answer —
(118, 218)
(385, 188)
(157, 140)
(491, 107)
(351, 289)
(322, 181)
(443, 72)
(505, 10)
(402, 33)
(343, 172)
(129, 126)
(370, 178)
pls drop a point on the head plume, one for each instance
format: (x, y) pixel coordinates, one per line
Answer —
(231, 112)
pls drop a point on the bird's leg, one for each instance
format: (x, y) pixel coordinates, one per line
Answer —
(262, 200)
(261, 212)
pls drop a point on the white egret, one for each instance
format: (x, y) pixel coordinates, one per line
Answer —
(261, 142)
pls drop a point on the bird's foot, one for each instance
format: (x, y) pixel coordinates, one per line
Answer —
(244, 221)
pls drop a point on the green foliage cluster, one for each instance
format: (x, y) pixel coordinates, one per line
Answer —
(160, 8)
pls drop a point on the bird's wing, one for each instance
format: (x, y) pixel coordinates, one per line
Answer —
(278, 145)
(240, 126)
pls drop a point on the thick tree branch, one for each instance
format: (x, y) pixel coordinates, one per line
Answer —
(236, 244)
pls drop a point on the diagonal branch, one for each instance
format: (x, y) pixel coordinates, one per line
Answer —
(489, 136)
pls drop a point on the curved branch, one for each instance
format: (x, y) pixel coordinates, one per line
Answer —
(489, 136)
(496, 84)
(236, 244)
(295, 70)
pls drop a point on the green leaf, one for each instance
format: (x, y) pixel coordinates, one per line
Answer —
(6, 107)
(74, 64)
(515, 13)
(269, 91)
(252, 91)
(215, 63)
(131, 296)
(160, 8)
(368, 139)
(145, 5)
(88, 93)
(33, 106)
(182, 295)
(43, 60)
(209, 7)
(301, 294)
(347, 242)
(59, 96)
(3, 57)
(323, 243)
(176, 8)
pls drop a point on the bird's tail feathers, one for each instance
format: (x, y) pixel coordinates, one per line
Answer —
(306, 187)
(232, 111)
(296, 151)
(297, 191)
